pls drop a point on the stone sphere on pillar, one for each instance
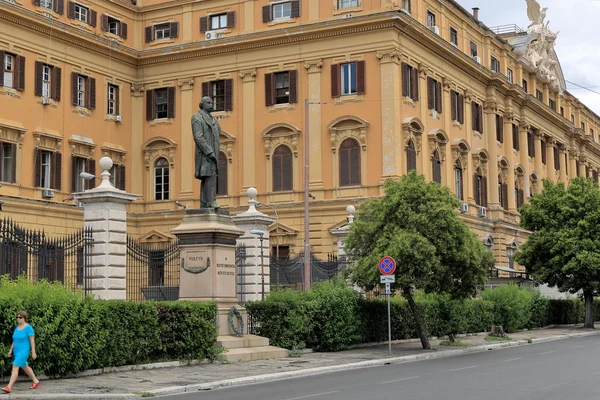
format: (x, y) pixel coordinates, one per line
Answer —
(350, 209)
(106, 163)
(252, 193)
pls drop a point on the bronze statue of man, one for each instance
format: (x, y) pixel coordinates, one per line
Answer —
(206, 132)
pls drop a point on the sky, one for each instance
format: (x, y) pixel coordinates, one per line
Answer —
(577, 45)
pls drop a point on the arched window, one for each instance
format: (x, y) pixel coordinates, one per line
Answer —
(222, 175)
(349, 162)
(502, 192)
(436, 167)
(161, 179)
(458, 180)
(282, 169)
(519, 194)
(411, 156)
(480, 186)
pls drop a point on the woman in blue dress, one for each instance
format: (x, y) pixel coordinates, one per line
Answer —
(23, 343)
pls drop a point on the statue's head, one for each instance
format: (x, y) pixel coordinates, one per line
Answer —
(206, 104)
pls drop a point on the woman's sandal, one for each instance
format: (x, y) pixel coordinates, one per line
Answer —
(5, 389)
(35, 385)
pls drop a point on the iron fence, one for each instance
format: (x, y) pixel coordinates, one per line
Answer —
(240, 262)
(289, 272)
(152, 270)
(37, 256)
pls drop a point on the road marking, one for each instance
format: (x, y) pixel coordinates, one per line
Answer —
(513, 359)
(547, 352)
(312, 395)
(399, 380)
(460, 369)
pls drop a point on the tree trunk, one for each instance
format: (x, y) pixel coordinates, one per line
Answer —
(589, 309)
(417, 315)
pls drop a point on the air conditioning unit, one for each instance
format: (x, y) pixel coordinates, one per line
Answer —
(464, 208)
(477, 59)
(118, 118)
(47, 193)
(212, 35)
(482, 212)
(435, 29)
(45, 101)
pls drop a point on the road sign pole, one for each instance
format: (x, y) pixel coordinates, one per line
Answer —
(389, 325)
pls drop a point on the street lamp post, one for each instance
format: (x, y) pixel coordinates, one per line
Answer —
(260, 234)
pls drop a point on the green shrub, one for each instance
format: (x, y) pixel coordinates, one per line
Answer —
(512, 306)
(564, 312)
(540, 311)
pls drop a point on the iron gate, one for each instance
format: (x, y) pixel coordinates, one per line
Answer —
(152, 270)
(37, 256)
(289, 272)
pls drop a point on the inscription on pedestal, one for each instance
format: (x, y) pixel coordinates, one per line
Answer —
(195, 261)
(225, 269)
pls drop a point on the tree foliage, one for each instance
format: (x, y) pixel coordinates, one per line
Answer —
(564, 248)
(416, 223)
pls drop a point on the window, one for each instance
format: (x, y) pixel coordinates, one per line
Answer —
(114, 26)
(473, 48)
(406, 6)
(156, 267)
(457, 101)
(434, 95)
(13, 71)
(79, 165)
(280, 87)
(480, 186)
(348, 3)
(160, 103)
(218, 21)
(411, 156)
(525, 88)
(47, 4)
(47, 81)
(500, 128)
(430, 19)
(556, 159)
(9, 68)
(410, 82)
(544, 152)
(221, 93)
(458, 180)
(112, 106)
(117, 176)
(495, 65)
(8, 166)
(572, 119)
(583, 126)
(281, 11)
(83, 91)
(282, 169)
(539, 95)
(577, 166)
(477, 111)
(502, 192)
(436, 167)
(595, 176)
(510, 75)
(161, 179)
(166, 30)
(349, 163)
(81, 13)
(519, 194)
(592, 134)
(57, 6)
(562, 111)
(515, 136)
(80, 99)
(348, 79)
(510, 255)
(453, 36)
(48, 167)
(222, 175)
(552, 104)
(530, 144)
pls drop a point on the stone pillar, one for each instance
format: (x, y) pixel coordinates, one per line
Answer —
(563, 163)
(104, 212)
(582, 164)
(249, 135)
(550, 171)
(492, 148)
(187, 148)
(524, 153)
(137, 137)
(391, 118)
(510, 158)
(538, 157)
(315, 129)
(256, 267)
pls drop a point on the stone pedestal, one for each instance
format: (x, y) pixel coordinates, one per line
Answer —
(208, 272)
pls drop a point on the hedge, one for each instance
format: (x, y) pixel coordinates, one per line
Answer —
(74, 333)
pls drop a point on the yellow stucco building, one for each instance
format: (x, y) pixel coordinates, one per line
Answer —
(391, 86)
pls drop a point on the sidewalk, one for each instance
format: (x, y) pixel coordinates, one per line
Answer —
(170, 380)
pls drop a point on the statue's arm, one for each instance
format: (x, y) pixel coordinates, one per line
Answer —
(200, 139)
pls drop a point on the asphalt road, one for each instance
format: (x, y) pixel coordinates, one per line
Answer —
(563, 369)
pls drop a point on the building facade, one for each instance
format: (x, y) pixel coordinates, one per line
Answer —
(379, 87)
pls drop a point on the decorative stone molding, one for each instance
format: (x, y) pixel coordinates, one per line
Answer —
(448, 84)
(280, 133)
(533, 182)
(12, 135)
(186, 83)
(347, 126)
(10, 92)
(313, 66)
(82, 146)
(82, 111)
(157, 147)
(336, 6)
(460, 152)
(137, 89)
(503, 168)
(114, 152)
(480, 160)
(226, 145)
(469, 96)
(248, 75)
(438, 139)
(490, 106)
(425, 71)
(46, 141)
(519, 176)
(389, 56)
(413, 130)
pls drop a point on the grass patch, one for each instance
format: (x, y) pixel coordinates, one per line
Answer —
(498, 338)
(457, 343)
(145, 394)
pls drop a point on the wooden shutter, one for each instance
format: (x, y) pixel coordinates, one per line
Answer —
(59, 6)
(454, 105)
(515, 134)
(148, 34)
(335, 80)
(355, 163)
(36, 2)
(2, 68)
(150, 109)
(74, 174)
(344, 165)
(269, 89)
(544, 150)
(122, 174)
(414, 84)
(20, 73)
(476, 189)
(71, 10)
(203, 24)
(430, 89)
(556, 159)
(90, 167)
(123, 30)
(295, 8)
(13, 157)
(484, 200)
(293, 86)
(360, 77)
(231, 19)
(171, 102)
(438, 97)
(56, 171)
(104, 23)
(520, 197)
(461, 108)
(55, 83)
(37, 173)
(174, 29)
(462, 184)
(228, 94)
(91, 92)
(93, 18)
(205, 89)
(287, 172)
(480, 118)
(405, 80)
(266, 14)
(277, 170)
(117, 101)
(222, 175)
(500, 128)
(436, 167)
(505, 196)
(74, 88)
(38, 78)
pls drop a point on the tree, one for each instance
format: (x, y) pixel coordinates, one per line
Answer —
(564, 249)
(416, 223)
